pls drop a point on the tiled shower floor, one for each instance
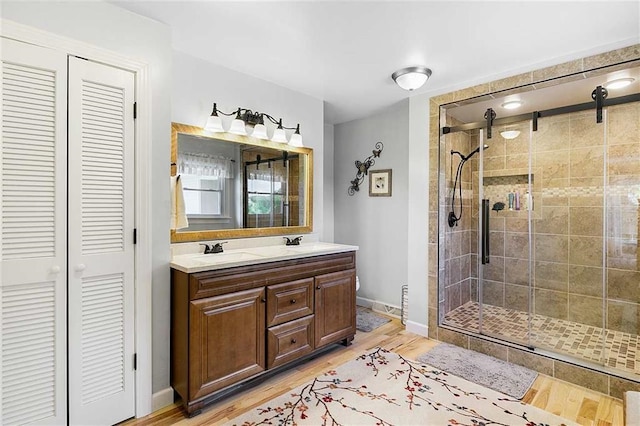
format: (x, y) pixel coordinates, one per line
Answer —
(622, 350)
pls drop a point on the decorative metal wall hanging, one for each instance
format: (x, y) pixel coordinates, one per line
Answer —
(363, 168)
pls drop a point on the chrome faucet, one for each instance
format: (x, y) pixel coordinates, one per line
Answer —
(214, 248)
(293, 242)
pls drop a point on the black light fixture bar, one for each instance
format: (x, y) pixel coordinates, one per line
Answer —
(253, 117)
(545, 113)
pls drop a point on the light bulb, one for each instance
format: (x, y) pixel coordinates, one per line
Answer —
(618, 83)
(214, 124)
(296, 140)
(260, 132)
(510, 134)
(238, 127)
(512, 104)
(279, 136)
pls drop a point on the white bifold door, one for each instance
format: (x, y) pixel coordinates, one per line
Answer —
(33, 262)
(67, 253)
(101, 256)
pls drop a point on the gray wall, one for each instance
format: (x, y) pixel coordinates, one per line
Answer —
(113, 28)
(377, 224)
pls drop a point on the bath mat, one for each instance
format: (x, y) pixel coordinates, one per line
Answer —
(484, 370)
(384, 388)
(367, 320)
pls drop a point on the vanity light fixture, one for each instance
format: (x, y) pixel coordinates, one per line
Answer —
(618, 83)
(512, 104)
(510, 134)
(411, 78)
(245, 117)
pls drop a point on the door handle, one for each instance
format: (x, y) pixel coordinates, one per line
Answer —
(485, 232)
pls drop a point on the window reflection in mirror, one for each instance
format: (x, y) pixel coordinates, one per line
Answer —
(237, 186)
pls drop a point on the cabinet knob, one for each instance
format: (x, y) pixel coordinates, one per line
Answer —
(263, 300)
(293, 341)
(317, 287)
(54, 269)
(80, 267)
(293, 301)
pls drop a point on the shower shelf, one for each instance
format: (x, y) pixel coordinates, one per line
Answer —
(499, 183)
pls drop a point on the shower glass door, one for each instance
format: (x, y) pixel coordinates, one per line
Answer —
(569, 234)
(503, 211)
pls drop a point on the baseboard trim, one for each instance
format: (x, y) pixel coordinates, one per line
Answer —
(162, 398)
(377, 306)
(418, 328)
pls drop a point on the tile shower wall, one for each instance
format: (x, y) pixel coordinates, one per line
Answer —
(455, 289)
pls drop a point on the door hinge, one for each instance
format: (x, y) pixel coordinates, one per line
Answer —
(135, 362)
(135, 236)
(135, 110)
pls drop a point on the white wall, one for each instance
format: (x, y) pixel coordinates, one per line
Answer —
(377, 224)
(328, 202)
(110, 27)
(417, 213)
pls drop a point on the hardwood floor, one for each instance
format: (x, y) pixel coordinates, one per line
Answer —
(572, 402)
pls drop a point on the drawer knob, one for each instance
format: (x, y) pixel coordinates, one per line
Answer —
(293, 301)
(293, 341)
(263, 300)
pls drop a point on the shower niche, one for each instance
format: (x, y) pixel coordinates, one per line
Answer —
(538, 231)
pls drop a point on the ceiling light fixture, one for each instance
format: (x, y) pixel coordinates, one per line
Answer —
(618, 83)
(512, 104)
(510, 134)
(245, 117)
(411, 78)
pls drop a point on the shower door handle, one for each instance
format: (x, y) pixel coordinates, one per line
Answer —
(485, 231)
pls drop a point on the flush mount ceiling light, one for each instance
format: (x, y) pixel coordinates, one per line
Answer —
(411, 78)
(512, 104)
(618, 83)
(245, 117)
(510, 134)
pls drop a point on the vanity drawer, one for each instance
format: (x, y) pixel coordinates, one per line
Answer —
(289, 301)
(289, 341)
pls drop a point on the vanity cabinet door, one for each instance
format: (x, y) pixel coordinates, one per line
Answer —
(227, 340)
(335, 307)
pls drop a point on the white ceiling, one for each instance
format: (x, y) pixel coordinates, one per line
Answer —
(344, 52)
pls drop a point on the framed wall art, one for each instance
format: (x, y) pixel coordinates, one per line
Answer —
(380, 183)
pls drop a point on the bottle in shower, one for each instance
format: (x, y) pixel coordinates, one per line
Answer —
(517, 200)
(510, 198)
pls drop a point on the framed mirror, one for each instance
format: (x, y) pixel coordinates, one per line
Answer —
(238, 186)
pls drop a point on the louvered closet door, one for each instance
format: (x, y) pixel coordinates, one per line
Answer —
(33, 248)
(101, 255)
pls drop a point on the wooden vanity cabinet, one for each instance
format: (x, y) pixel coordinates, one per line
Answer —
(231, 327)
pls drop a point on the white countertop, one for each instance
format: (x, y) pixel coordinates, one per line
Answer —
(198, 262)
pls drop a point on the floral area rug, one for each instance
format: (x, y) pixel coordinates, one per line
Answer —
(383, 388)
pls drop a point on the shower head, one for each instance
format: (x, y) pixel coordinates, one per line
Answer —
(475, 151)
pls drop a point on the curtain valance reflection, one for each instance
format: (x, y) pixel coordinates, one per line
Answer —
(200, 164)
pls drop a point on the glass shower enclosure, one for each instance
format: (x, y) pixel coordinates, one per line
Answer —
(539, 218)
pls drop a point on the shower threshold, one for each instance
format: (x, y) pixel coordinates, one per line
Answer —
(621, 350)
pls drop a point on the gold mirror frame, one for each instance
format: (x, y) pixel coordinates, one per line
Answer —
(180, 237)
